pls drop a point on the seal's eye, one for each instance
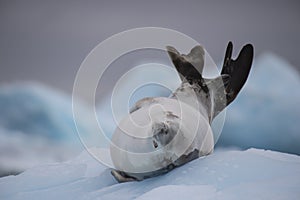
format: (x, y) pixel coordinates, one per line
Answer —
(155, 144)
(166, 131)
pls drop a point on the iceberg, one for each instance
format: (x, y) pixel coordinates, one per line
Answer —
(37, 126)
(264, 114)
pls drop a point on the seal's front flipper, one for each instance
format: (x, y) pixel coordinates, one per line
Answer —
(121, 177)
(238, 70)
(189, 66)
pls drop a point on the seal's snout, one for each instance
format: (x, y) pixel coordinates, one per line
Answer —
(155, 144)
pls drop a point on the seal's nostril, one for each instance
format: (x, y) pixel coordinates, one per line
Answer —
(155, 144)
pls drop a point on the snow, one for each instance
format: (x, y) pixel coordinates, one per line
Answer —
(180, 192)
(225, 174)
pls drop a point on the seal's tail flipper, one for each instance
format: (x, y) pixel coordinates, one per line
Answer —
(238, 70)
(189, 66)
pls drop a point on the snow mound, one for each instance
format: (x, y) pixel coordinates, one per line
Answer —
(226, 174)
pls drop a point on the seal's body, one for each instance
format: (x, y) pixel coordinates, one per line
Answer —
(162, 133)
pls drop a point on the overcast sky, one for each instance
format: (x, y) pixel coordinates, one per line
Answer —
(46, 41)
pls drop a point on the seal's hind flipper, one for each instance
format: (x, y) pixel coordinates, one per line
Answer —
(238, 70)
(218, 94)
(233, 77)
(189, 66)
